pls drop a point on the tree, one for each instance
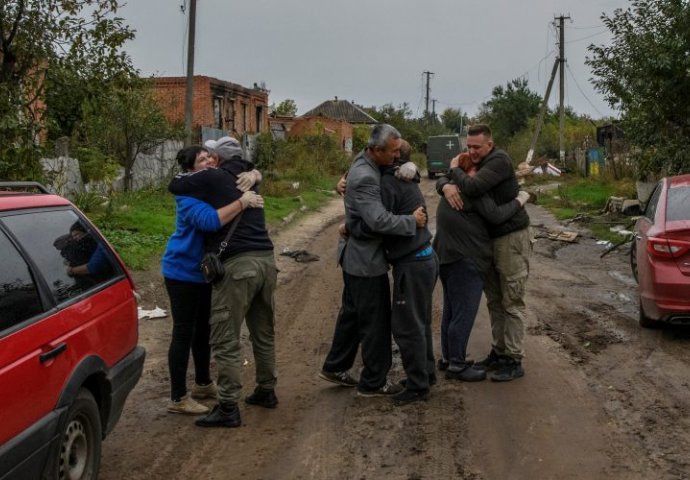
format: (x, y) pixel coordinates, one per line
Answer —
(454, 120)
(37, 35)
(286, 108)
(509, 109)
(126, 123)
(643, 73)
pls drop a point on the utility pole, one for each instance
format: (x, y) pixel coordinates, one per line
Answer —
(559, 65)
(561, 85)
(189, 94)
(426, 98)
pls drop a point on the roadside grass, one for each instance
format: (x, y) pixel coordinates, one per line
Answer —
(587, 197)
(138, 224)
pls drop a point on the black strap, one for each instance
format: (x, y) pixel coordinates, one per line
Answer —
(233, 226)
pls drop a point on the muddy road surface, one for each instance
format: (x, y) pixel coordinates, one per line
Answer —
(601, 397)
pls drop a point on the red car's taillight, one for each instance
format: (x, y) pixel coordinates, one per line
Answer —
(664, 247)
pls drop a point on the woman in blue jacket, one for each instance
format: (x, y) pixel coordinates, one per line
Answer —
(190, 295)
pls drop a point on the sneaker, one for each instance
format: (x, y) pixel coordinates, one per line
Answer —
(442, 364)
(509, 370)
(187, 405)
(386, 390)
(262, 398)
(467, 373)
(205, 391)
(492, 361)
(221, 416)
(410, 396)
(340, 378)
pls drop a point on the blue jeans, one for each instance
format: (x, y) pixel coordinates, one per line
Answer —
(462, 282)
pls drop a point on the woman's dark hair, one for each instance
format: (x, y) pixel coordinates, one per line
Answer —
(187, 156)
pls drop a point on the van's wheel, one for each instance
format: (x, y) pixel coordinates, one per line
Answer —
(79, 457)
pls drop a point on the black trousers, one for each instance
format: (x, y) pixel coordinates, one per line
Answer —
(190, 304)
(364, 319)
(413, 285)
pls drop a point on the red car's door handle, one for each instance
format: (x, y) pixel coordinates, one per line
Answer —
(44, 357)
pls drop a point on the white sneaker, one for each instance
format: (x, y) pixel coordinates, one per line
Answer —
(205, 391)
(187, 405)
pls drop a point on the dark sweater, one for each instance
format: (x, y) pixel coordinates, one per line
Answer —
(464, 233)
(495, 176)
(218, 188)
(400, 198)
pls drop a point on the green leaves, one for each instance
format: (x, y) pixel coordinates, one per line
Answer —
(645, 72)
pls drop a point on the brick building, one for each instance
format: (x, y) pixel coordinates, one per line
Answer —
(311, 125)
(336, 117)
(217, 104)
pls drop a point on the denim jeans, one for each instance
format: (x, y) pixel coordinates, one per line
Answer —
(462, 282)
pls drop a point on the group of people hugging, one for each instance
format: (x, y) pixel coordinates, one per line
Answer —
(481, 244)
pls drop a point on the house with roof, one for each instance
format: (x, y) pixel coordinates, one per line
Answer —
(334, 117)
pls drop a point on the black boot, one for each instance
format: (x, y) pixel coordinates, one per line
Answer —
(222, 415)
(262, 398)
(465, 373)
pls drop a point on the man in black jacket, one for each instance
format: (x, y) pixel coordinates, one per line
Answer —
(506, 280)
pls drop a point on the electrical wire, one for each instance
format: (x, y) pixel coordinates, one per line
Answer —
(585, 38)
(572, 75)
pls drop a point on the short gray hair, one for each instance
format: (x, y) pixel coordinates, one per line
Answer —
(380, 135)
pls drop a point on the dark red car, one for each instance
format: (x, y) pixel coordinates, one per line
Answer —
(660, 254)
(68, 338)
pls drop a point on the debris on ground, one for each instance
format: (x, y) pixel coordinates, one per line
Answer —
(559, 235)
(301, 256)
(157, 312)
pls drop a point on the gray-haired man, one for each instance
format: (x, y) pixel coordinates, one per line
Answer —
(365, 311)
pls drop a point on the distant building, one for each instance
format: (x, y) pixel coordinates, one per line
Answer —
(218, 108)
(335, 117)
(341, 110)
(280, 125)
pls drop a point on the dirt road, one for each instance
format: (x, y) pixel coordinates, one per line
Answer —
(601, 397)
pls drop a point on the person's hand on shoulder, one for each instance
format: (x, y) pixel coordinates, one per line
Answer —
(247, 180)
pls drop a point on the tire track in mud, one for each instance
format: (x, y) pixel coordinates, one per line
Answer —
(640, 376)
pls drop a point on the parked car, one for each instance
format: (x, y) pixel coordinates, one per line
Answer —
(660, 254)
(68, 337)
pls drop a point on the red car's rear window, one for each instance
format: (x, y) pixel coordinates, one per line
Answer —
(678, 206)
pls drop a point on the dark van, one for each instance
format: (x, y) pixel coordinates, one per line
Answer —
(440, 149)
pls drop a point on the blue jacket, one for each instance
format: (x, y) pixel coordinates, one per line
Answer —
(186, 246)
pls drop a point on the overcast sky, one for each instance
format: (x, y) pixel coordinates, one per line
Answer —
(375, 51)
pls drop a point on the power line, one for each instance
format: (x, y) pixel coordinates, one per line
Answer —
(585, 38)
(583, 93)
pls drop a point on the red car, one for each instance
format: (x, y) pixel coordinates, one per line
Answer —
(660, 254)
(68, 337)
